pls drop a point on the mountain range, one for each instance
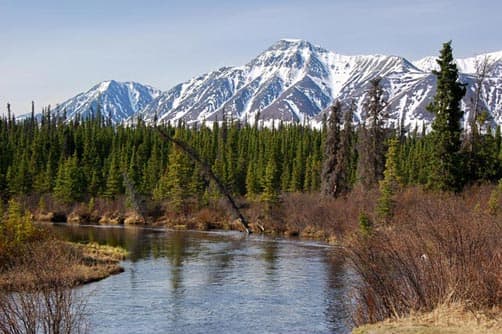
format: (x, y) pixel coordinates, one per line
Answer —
(292, 81)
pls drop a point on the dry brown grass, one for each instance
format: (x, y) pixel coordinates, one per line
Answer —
(36, 294)
(444, 319)
(56, 261)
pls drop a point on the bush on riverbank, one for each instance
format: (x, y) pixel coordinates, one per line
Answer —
(16, 231)
(438, 249)
(21, 241)
(313, 215)
(36, 292)
(38, 274)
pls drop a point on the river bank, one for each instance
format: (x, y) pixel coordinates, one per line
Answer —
(58, 262)
(302, 215)
(445, 319)
(97, 262)
(435, 248)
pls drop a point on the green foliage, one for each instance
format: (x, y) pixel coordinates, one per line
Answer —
(481, 159)
(298, 173)
(16, 227)
(446, 165)
(92, 204)
(78, 160)
(331, 147)
(252, 184)
(114, 181)
(69, 181)
(371, 137)
(365, 224)
(271, 182)
(390, 183)
(346, 155)
(174, 184)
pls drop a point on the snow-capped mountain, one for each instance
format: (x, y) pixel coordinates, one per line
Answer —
(292, 81)
(465, 65)
(116, 101)
(296, 81)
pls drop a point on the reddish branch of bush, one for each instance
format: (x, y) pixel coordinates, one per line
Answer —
(439, 248)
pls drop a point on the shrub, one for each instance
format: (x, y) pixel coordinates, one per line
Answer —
(436, 250)
(365, 224)
(41, 298)
(16, 227)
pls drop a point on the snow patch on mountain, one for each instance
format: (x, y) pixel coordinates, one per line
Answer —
(115, 101)
(465, 65)
(292, 81)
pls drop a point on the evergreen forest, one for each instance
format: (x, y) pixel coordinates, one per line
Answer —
(79, 159)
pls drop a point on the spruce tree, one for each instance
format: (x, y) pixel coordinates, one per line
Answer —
(252, 184)
(285, 176)
(371, 138)
(445, 172)
(298, 172)
(328, 177)
(151, 171)
(174, 184)
(271, 184)
(390, 183)
(344, 157)
(114, 181)
(69, 181)
(315, 182)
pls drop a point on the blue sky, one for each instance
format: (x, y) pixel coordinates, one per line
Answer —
(51, 50)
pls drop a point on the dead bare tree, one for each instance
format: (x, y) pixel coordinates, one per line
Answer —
(483, 67)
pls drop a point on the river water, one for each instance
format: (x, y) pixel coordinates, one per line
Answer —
(216, 282)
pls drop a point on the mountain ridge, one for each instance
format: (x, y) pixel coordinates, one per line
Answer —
(291, 81)
(115, 100)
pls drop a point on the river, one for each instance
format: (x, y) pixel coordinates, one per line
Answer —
(216, 282)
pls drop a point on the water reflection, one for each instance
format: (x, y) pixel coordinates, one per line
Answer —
(191, 282)
(337, 292)
(270, 250)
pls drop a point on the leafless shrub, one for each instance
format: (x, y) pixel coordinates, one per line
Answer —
(438, 249)
(40, 297)
(311, 213)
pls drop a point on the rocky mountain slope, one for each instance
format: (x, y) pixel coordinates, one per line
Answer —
(116, 101)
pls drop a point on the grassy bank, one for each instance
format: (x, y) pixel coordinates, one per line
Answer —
(97, 262)
(307, 215)
(451, 319)
(51, 261)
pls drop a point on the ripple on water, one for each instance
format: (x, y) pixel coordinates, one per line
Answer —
(192, 282)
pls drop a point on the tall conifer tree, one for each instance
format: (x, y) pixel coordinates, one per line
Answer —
(328, 177)
(371, 144)
(445, 164)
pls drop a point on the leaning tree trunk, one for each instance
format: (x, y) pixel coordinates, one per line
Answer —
(206, 169)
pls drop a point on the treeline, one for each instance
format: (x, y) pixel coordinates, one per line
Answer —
(89, 158)
(79, 159)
